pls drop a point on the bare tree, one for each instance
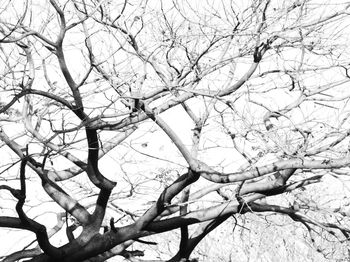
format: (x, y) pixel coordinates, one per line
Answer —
(121, 120)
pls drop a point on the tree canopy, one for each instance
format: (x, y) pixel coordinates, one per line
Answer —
(133, 129)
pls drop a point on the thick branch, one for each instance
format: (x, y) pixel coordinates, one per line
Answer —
(295, 163)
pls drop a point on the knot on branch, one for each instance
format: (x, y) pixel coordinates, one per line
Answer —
(262, 48)
(259, 51)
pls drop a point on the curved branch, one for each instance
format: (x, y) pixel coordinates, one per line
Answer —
(37, 92)
(92, 167)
